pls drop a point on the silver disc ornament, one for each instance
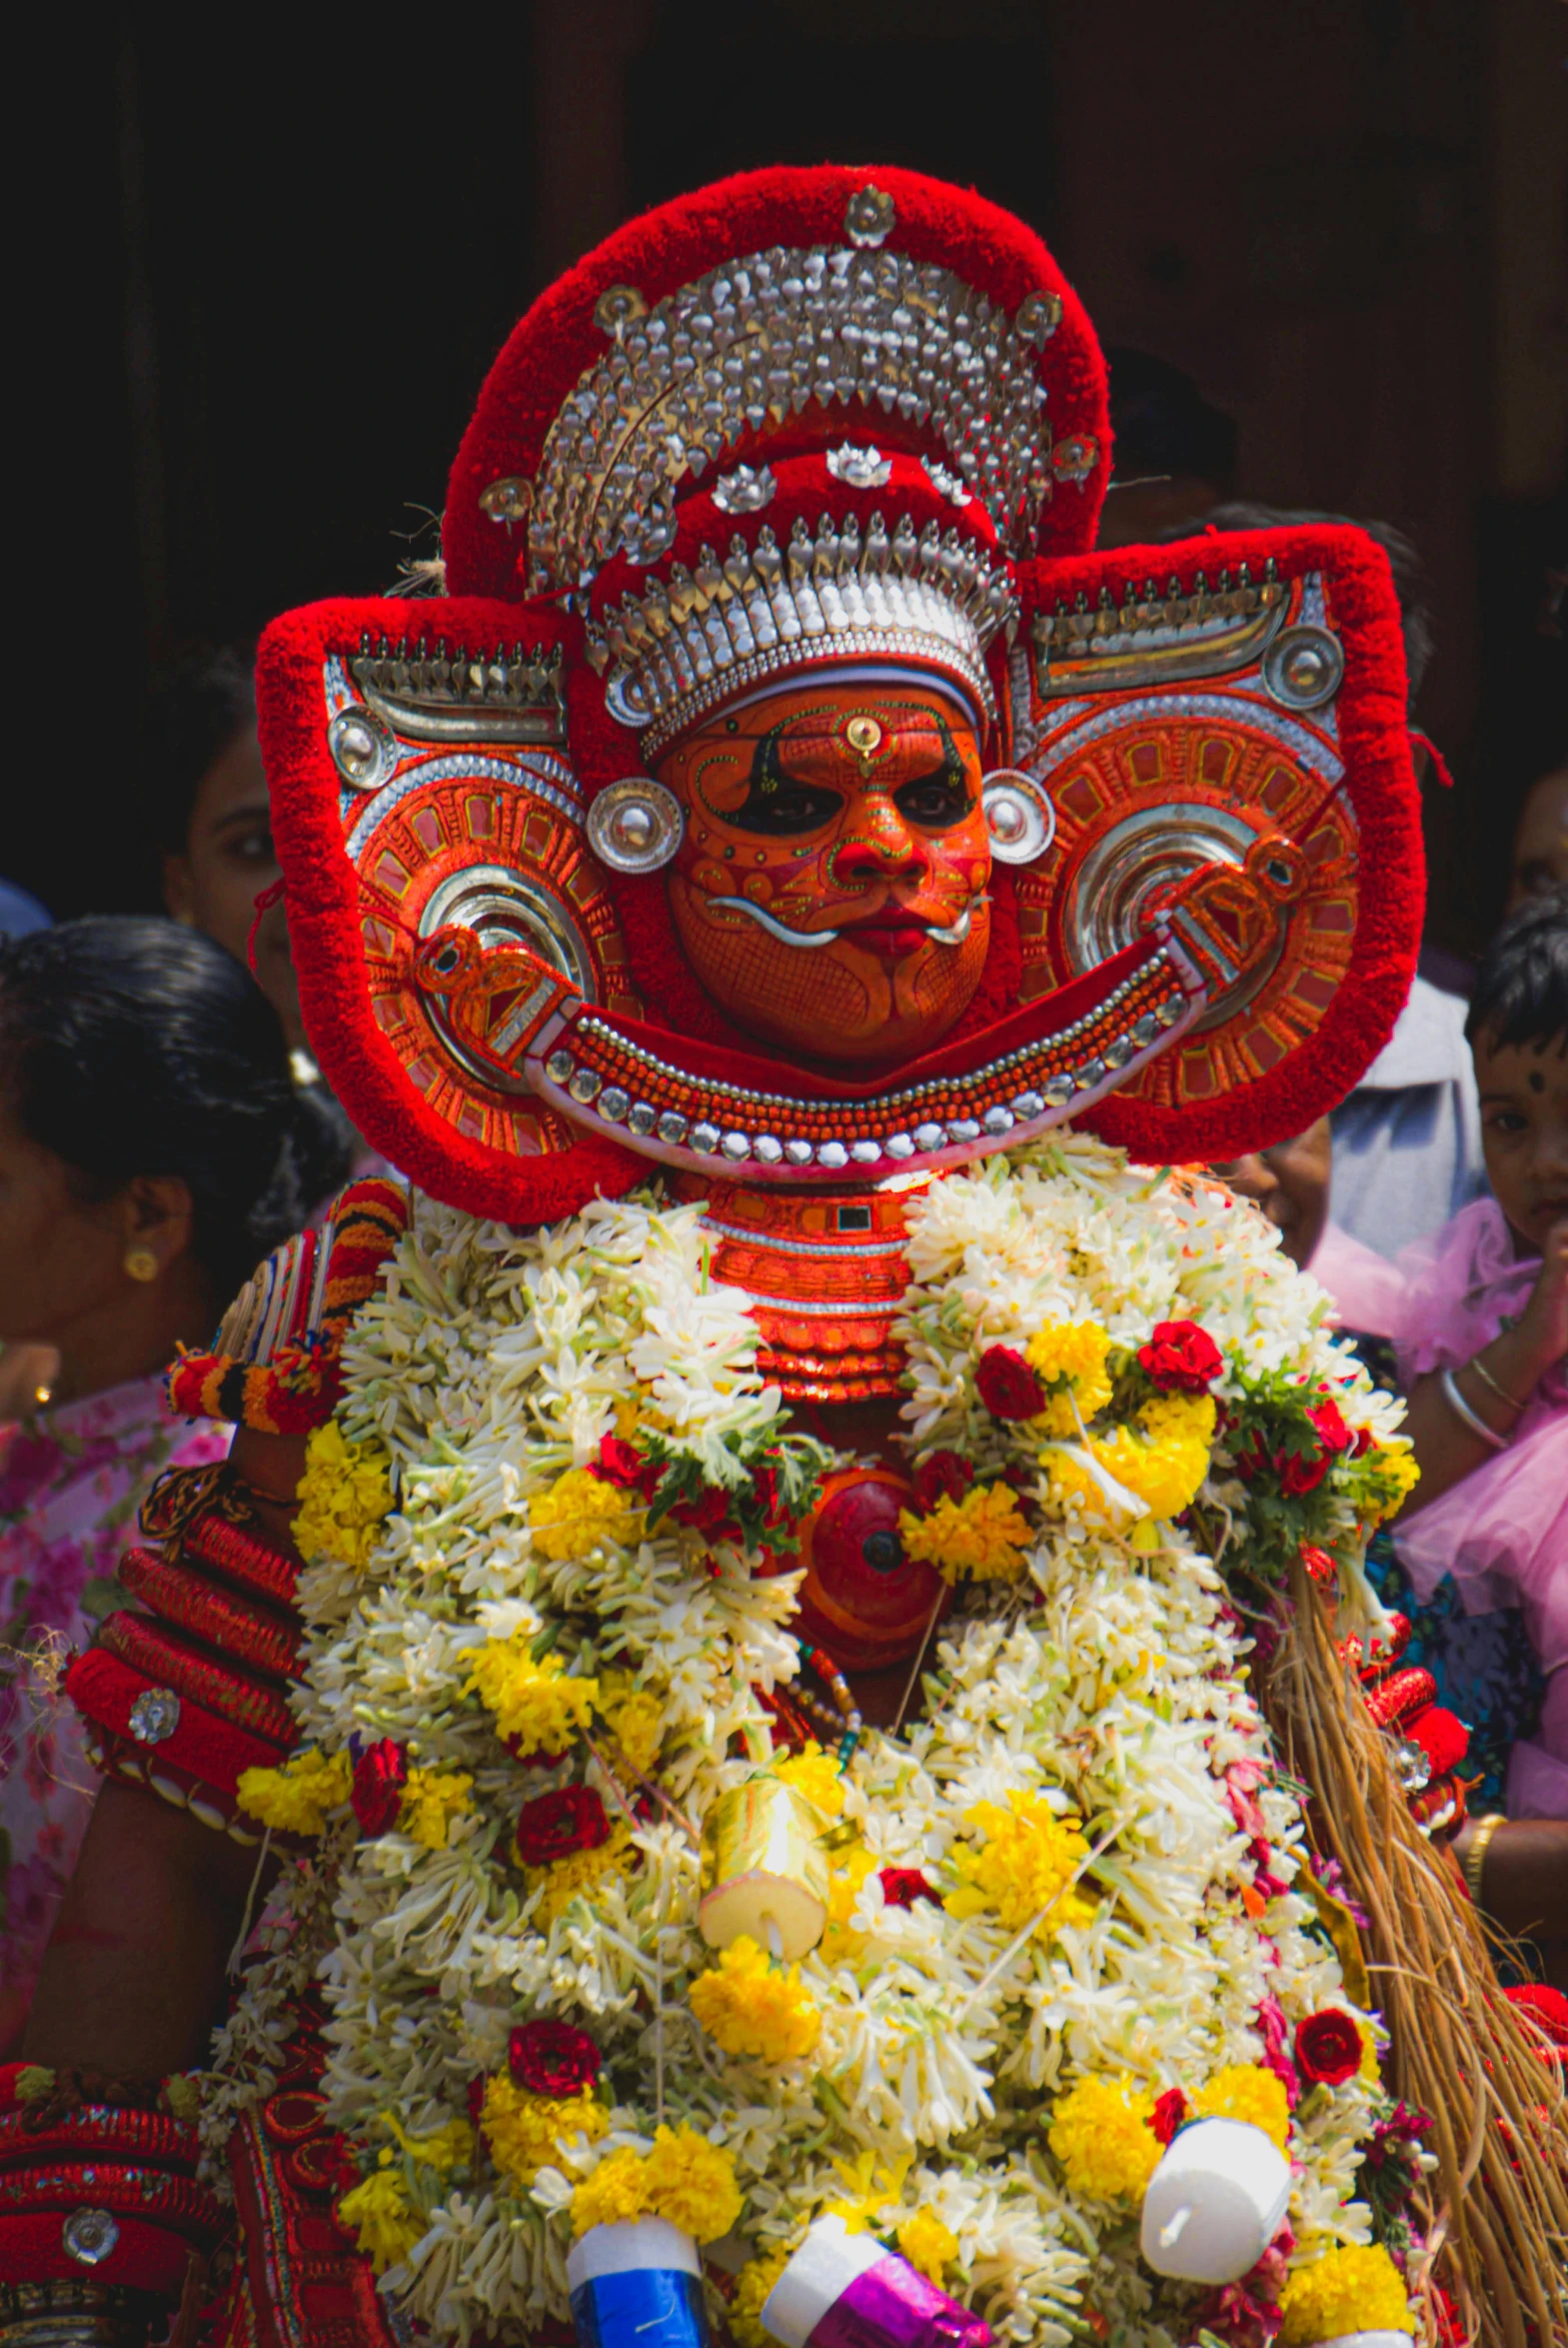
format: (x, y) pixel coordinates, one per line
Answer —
(636, 826)
(1019, 816)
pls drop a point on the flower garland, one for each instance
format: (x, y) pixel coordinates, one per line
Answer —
(1068, 1907)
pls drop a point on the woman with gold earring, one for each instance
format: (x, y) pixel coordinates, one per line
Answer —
(152, 1149)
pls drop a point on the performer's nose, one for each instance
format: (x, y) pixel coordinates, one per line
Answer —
(881, 847)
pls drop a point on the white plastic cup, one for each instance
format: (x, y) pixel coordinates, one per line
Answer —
(636, 2285)
(1215, 2202)
(821, 2270)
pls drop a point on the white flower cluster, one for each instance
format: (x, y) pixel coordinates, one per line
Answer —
(1105, 1688)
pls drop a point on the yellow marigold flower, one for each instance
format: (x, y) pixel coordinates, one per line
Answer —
(692, 2184)
(567, 1879)
(850, 1868)
(298, 1797)
(1356, 2288)
(381, 2219)
(448, 2147)
(817, 1775)
(579, 1510)
(1069, 1357)
(615, 2193)
(636, 1720)
(430, 1803)
(1163, 1460)
(534, 1702)
(1396, 1467)
(1245, 2091)
(928, 2244)
(1100, 2135)
(1022, 1868)
(982, 1535)
(525, 2132)
(345, 1498)
(753, 2287)
(751, 2009)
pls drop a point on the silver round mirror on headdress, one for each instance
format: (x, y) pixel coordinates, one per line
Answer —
(1019, 816)
(636, 826)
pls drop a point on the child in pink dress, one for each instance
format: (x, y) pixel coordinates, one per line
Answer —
(1479, 1319)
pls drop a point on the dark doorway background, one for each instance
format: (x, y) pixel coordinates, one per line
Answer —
(277, 267)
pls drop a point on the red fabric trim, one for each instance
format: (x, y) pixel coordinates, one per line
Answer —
(243, 1556)
(260, 1641)
(145, 2258)
(146, 2136)
(557, 340)
(1381, 788)
(211, 1751)
(212, 1681)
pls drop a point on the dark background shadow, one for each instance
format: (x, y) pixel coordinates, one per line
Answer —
(277, 261)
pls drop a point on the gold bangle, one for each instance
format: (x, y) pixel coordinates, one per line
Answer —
(1475, 1857)
(1486, 1377)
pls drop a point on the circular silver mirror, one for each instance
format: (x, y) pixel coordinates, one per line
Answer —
(1019, 816)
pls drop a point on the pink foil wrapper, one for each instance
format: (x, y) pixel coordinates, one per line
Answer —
(890, 2306)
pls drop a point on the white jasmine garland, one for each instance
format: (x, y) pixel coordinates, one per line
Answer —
(1108, 1683)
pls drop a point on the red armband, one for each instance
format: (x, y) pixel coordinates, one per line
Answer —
(102, 2196)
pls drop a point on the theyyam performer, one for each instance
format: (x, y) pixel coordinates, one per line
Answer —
(774, 1729)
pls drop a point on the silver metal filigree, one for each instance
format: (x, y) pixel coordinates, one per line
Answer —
(511, 499)
(88, 2236)
(860, 468)
(868, 217)
(1038, 317)
(617, 307)
(946, 483)
(155, 1715)
(744, 491)
(1075, 459)
(758, 341)
(636, 826)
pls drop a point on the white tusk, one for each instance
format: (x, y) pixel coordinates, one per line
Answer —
(775, 929)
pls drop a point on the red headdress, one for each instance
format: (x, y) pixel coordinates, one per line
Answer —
(809, 418)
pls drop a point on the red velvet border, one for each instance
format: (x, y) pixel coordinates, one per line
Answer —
(557, 340)
(1382, 789)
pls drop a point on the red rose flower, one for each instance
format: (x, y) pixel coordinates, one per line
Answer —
(379, 1775)
(1302, 1471)
(559, 1823)
(1329, 1421)
(551, 2059)
(622, 1464)
(1181, 1357)
(1329, 2047)
(1169, 2115)
(944, 1477)
(708, 1513)
(1007, 1385)
(902, 1886)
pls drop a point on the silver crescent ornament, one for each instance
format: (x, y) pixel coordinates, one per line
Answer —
(1019, 816)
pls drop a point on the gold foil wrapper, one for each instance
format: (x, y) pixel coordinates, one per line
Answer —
(769, 1873)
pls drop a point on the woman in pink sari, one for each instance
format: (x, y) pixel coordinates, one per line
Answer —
(152, 1149)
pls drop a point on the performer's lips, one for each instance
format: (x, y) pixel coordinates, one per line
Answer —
(893, 932)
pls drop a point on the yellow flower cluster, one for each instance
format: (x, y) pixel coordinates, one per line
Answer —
(381, 2219)
(753, 2288)
(983, 1535)
(1068, 1356)
(1023, 1868)
(1101, 2136)
(684, 2179)
(1356, 2288)
(928, 2244)
(297, 1798)
(345, 1498)
(525, 2132)
(840, 1940)
(636, 1719)
(752, 2009)
(817, 1775)
(1163, 1460)
(580, 1509)
(1245, 2091)
(430, 1803)
(1394, 1465)
(565, 1880)
(534, 1702)
(446, 2148)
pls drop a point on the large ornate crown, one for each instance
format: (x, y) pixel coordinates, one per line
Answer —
(804, 425)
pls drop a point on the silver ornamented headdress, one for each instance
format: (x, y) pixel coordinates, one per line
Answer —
(674, 650)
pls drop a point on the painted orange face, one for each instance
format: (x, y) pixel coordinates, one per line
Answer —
(831, 890)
